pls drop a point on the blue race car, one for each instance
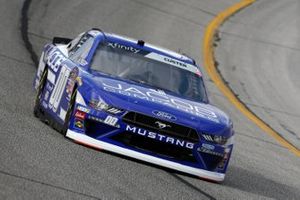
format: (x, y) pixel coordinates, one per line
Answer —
(129, 97)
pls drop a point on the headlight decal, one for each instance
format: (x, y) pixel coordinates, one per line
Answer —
(217, 139)
(101, 105)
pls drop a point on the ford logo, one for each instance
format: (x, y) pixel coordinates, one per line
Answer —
(164, 115)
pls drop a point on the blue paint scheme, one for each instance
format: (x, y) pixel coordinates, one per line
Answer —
(202, 117)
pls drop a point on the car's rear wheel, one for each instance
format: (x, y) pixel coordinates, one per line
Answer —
(69, 113)
(40, 89)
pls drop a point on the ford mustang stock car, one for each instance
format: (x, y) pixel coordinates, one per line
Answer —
(132, 98)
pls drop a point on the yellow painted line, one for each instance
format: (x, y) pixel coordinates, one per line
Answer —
(209, 64)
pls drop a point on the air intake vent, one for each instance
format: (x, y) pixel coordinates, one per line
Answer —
(161, 126)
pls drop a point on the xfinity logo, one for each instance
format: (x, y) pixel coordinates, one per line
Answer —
(161, 125)
(120, 46)
(162, 138)
(165, 115)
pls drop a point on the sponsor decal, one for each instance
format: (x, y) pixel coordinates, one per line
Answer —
(161, 125)
(109, 120)
(46, 97)
(79, 81)
(209, 151)
(124, 47)
(80, 115)
(95, 118)
(208, 146)
(159, 137)
(83, 109)
(155, 96)
(113, 110)
(71, 81)
(164, 115)
(54, 58)
(78, 123)
(175, 62)
(49, 87)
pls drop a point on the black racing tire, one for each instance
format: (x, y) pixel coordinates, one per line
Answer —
(69, 112)
(40, 89)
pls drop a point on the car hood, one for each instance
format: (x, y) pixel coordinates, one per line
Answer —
(132, 96)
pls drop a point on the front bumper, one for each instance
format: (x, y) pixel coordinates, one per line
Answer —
(84, 139)
(96, 129)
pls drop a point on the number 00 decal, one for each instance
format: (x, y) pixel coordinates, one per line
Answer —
(59, 88)
(110, 120)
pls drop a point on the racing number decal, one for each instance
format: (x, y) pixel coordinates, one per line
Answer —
(110, 120)
(59, 88)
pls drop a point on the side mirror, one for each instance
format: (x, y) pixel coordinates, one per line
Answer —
(61, 40)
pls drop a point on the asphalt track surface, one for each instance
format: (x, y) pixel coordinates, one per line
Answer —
(258, 55)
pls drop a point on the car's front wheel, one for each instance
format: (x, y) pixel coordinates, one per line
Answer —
(69, 113)
(40, 89)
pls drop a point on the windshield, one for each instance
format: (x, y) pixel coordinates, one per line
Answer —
(133, 64)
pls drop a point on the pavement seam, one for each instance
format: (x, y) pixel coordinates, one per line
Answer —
(46, 184)
(16, 60)
(166, 12)
(190, 185)
(39, 36)
(259, 41)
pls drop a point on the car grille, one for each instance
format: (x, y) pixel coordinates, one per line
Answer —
(155, 147)
(172, 129)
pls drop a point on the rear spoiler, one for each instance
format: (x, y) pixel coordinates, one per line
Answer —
(61, 40)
